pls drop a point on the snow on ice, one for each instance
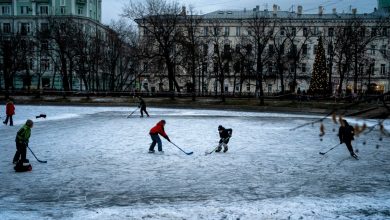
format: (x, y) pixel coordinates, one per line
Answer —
(98, 167)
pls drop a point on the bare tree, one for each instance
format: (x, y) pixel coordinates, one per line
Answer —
(260, 31)
(191, 42)
(159, 22)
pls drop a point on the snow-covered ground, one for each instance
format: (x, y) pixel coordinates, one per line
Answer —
(98, 168)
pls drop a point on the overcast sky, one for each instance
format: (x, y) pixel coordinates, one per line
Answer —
(113, 8)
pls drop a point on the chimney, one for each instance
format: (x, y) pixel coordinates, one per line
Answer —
(183, 11)
(275, 10)
(300, 9)
(320, 10)
(257, 8)
(354, 11)
(334, 11)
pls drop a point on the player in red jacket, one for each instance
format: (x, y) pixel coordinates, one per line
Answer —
(154, 132)
(10, 111)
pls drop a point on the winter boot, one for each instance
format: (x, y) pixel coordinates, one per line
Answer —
(218, 149)
(151, 151)
(225, 149)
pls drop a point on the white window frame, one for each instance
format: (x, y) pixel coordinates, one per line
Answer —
(6, 10)
(45, 9)
(383, 69)
(63, 3)
(8, 29)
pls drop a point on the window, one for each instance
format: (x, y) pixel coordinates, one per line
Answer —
(248, 87)
(44, 46)
(303, 67)
(331, 32)
(384, 32)
(271, 50)
(373, 47)
(63, 2)
(362, 32)
(216, 48)
(305, 32)
(6, 10)
(205, 50)
(282, 31)
(215, 67)
(304, 49)
(383, 69)
(270, 68)
(25, 28)
(23, 10)
(226, 88)
(7, 28)
(269, 88)
(80, 11)
(293, 31)
(383, 50)
(44, 10)
(227, 31)
(315, 49)
(330, 49)
(316, 31)
(45, 82)
(63, 10)
(216, 31)
(238, 31)
(373, 32)
(249, 32)
(45, 64)
(44, 27)
(205, 31)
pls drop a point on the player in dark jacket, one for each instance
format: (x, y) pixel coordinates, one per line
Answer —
(225, 135)
(154, 132)
(142, 105)
(346, 133)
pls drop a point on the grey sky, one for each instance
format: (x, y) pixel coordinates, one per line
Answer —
(112, 8)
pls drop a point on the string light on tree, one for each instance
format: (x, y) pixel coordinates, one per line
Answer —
(318, 83)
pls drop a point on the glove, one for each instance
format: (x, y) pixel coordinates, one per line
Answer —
(168, 139)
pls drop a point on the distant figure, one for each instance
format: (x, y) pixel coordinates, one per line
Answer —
(346, 133)
(225, 135)
(9, 111)
(154, 132)
(142, 105)
(22, 139)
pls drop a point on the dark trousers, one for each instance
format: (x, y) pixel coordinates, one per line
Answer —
(155, 139)
(224, 140)
(21, 151)
(143, 109)
(11, 122)
(349, 146)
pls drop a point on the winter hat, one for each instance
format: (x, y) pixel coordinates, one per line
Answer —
(220, 128)
(29, 122)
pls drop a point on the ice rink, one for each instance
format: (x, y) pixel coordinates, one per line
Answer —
(98, 167)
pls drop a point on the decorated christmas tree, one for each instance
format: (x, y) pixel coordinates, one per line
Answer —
(318, 83)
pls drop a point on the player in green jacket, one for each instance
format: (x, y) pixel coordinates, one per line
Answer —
(22, 138)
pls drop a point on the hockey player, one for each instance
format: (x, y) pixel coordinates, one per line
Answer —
(225, 135)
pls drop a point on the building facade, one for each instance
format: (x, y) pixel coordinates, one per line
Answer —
(293, 32)
(26, 20)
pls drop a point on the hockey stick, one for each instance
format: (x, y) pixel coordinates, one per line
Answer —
(207, 153)
(323, 153)
(40, 161)
(189, 153)
(132, 113)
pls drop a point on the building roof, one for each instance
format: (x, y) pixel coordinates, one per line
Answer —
(247, 14)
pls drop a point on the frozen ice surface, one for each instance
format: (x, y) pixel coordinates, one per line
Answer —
(98, 168)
